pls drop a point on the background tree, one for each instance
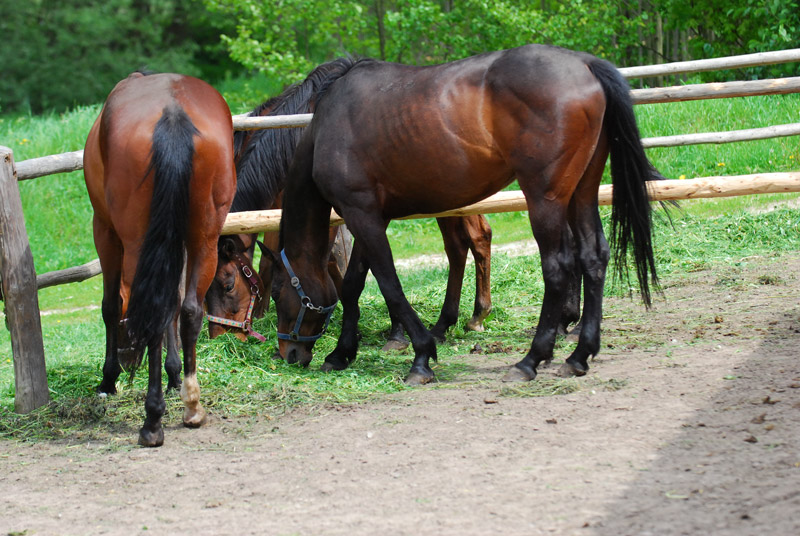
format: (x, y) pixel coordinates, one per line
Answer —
(58, 53)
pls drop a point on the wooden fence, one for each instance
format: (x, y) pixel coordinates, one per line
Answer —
(20, 283)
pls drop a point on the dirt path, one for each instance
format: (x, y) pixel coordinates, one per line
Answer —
(689, 424)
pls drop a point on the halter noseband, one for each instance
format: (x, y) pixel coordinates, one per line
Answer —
(247, 324)
(305, 303)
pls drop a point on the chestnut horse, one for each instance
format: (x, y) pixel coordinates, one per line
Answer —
(159, 169)
(390, 140)
(262, 162)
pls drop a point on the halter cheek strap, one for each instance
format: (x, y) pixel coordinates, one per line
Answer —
(305, 303)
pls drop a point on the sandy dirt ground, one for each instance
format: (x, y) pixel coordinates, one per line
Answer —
(690, 426)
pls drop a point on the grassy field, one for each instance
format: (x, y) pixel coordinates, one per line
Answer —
(241, 379)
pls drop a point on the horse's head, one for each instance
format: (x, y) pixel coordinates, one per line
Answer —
(304, 300)
(236, 294)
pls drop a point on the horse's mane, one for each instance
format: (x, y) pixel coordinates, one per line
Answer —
(263, 156)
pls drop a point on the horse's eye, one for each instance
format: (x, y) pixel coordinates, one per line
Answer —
(229, 287)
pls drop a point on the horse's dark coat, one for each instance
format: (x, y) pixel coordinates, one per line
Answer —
(390, 140)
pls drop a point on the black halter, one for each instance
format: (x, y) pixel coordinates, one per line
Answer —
(305, 303)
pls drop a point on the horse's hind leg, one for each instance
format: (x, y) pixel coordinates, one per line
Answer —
(480, 235)
(200, 268)
(191, 322)
(462, 234)
(593, 255)
(151, 433)
(549, 224)
(571, 312)
(456, 245)
(109, 250)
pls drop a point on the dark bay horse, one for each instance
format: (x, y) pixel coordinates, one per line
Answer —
(262, 162)
(389, 140)
(159, 169)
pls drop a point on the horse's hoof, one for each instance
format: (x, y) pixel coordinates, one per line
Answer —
(573, 336)
(174, 385)
(151, 438)
(103, 391)
(416, 377)
(516, 374)
(194, 418)
(568, 370)
(475, 324)
(393, 345)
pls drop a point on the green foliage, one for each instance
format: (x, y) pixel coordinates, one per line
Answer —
(59, 53)
(740, 27)
(281, 39)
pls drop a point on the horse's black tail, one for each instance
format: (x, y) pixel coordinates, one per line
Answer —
(154, 292)
(631, 215)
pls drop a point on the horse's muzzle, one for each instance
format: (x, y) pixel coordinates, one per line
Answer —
(295, 352)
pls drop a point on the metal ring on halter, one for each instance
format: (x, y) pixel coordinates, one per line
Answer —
(305, 302)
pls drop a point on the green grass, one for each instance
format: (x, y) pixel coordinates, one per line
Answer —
(241, 380)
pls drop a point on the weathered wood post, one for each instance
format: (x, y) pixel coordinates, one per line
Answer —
(21, 300)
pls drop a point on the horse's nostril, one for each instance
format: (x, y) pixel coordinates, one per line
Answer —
(291, 356)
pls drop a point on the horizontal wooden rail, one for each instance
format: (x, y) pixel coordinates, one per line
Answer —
(246, 122)
(269, 220)
(48, 165)
(704, 187)
(75, 274)
(713, 64)
(749, 88)
(72, 161)
(749, 134)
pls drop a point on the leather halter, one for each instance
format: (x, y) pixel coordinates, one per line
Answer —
(305, 303)
(255, 294)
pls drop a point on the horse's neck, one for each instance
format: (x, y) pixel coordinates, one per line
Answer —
(305, 222)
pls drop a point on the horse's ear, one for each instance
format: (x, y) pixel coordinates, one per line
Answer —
(273, 256)
(227, 247)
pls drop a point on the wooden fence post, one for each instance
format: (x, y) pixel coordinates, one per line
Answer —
(21, 299)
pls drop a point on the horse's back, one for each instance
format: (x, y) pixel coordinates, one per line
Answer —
(457, 129)
(118, 149)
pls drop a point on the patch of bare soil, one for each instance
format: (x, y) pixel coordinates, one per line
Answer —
(687, 423)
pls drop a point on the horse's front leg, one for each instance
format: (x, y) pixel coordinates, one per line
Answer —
(172, 363)
(370, 235)
(352, 287)
(396, 340)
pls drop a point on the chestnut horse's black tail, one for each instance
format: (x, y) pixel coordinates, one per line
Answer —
(154, 292)
(631, 222)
